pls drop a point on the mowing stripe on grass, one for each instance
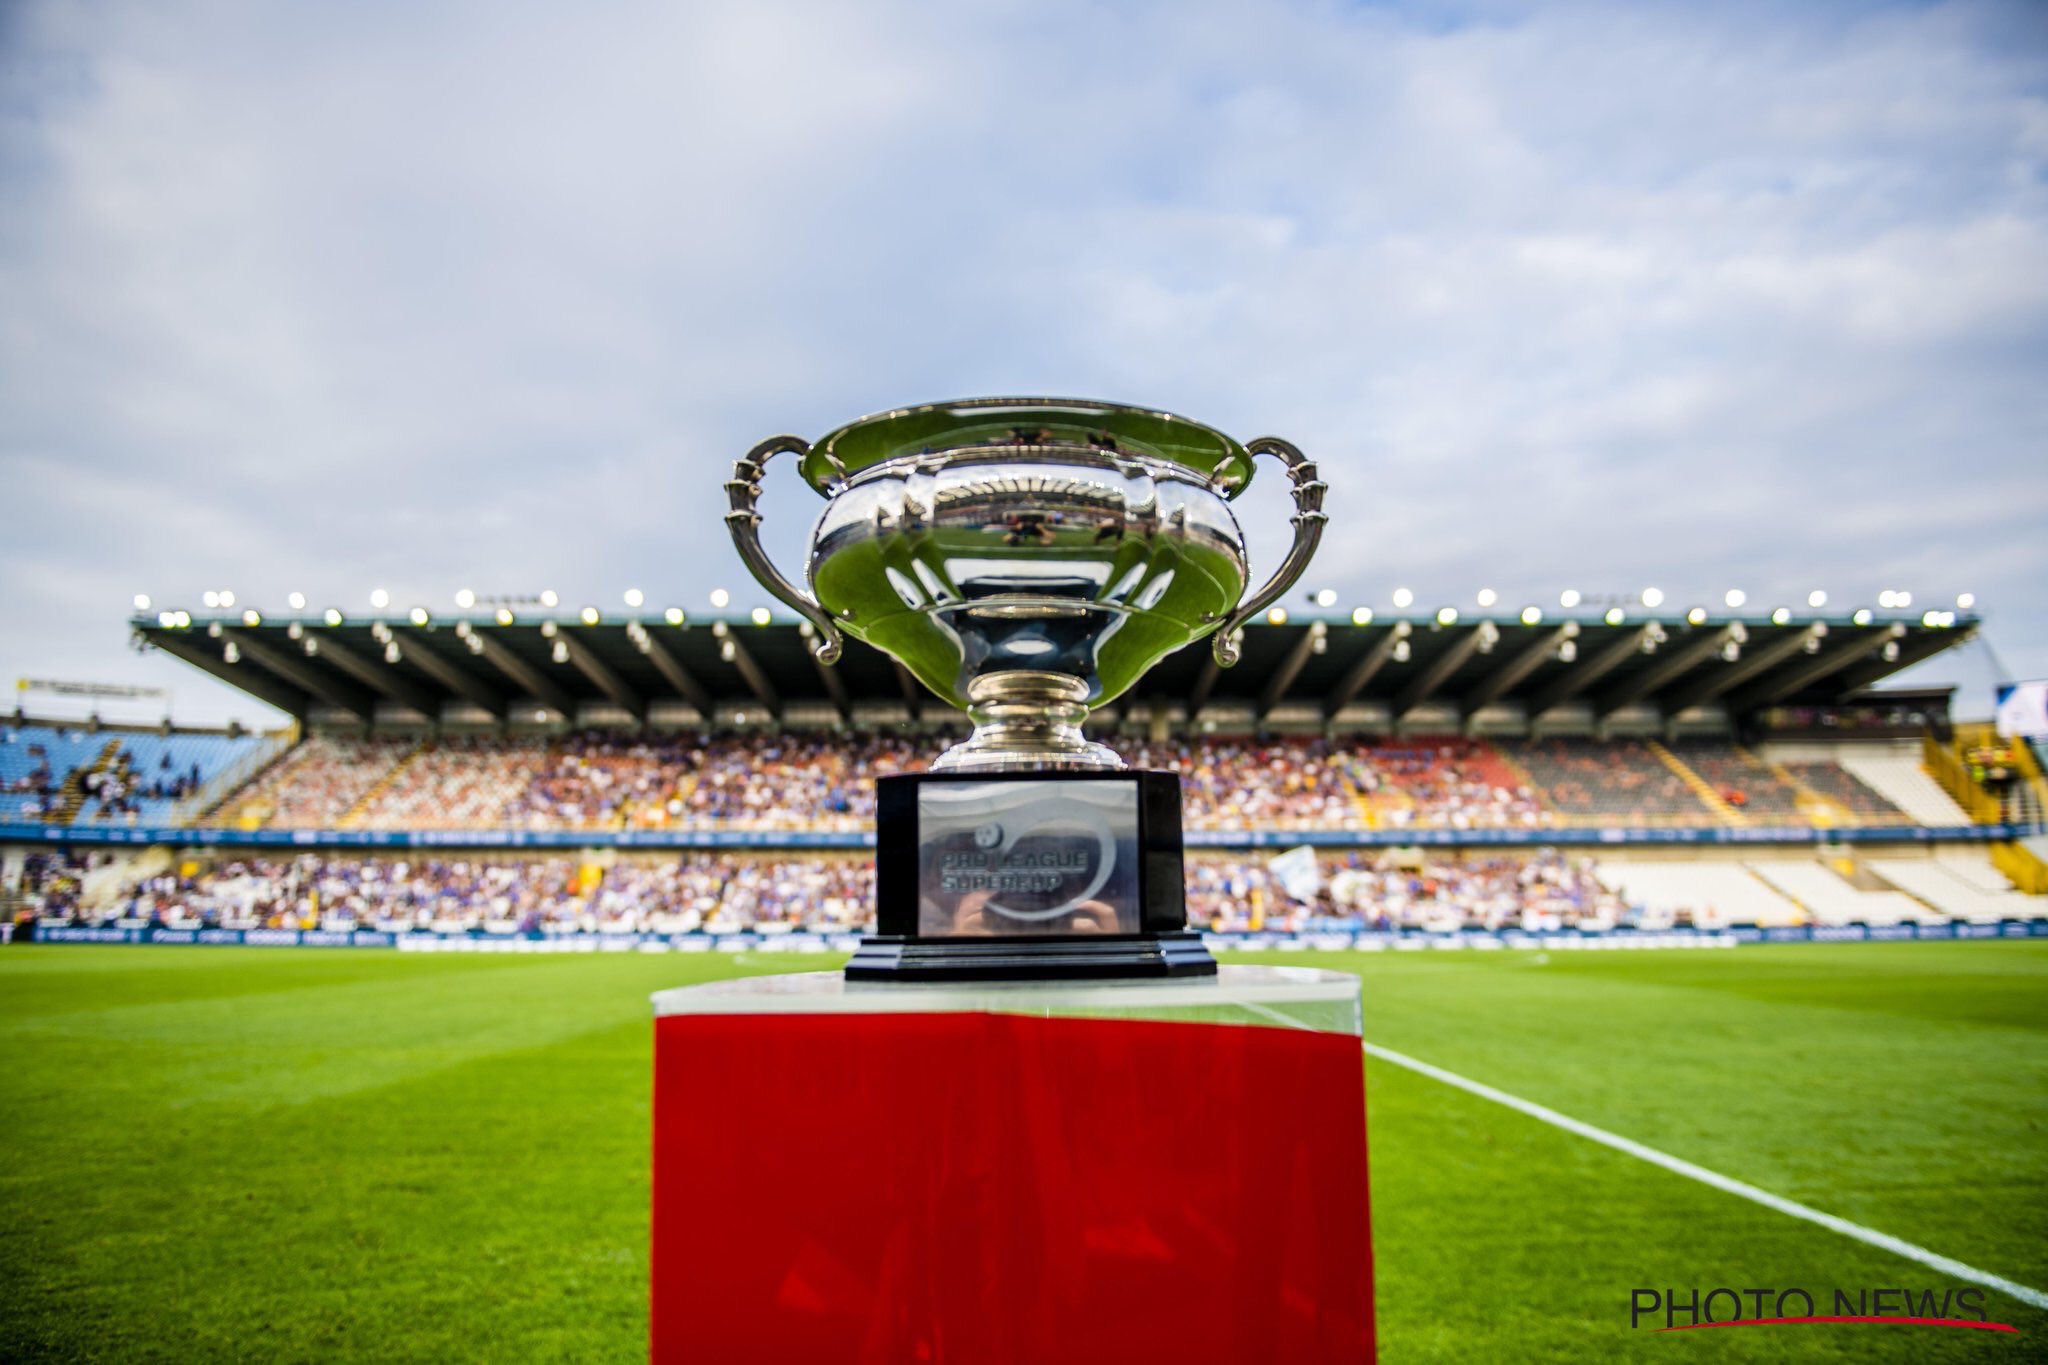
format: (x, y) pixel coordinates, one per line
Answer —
(1870, 1236)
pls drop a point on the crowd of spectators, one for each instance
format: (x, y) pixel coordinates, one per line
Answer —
(1444, 783)
(1287, 782)
(798, 781)
(121, 788)
(826, 892)
(1620, 782)
(769, 780)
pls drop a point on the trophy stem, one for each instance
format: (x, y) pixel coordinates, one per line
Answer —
(1026, 721)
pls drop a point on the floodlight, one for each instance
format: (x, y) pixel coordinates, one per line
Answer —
(1653, 597)
(379, 598)
(465, 598)
(674, 616)
(296, 601)
(210, 598)
(1964, 600)
(1277, 616)
(1569, 598)
(1326, 598)
(1403, 597)
(1447, 616)
(590, 616)
(1361, 616)
(252, 617)
(1486, 597)
(550, 598)
(1735, 597)
(1862, 616)
(142, 601)
(1615, 616)
(634, 597)
(719, 598)
(332, 616)
(1781, 615)
(1816, 598)
(761, 615)
(1532, 616)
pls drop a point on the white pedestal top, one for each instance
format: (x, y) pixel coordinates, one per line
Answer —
(1287, 997)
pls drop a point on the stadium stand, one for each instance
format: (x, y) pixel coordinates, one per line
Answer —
(148, 775)
(726, 892)
(1616, 782)
(1281, 783)
(1897, 776)
(1444, 782)
(36, 763)
(1743, 783)
(794, 780)
(318, 783)
(1707, 894)
(1857, 802)
(1940, 885)
(1829, 899)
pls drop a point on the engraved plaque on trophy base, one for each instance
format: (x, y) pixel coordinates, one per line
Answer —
(1028, 876)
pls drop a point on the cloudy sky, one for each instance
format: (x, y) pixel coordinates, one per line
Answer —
(424, 296)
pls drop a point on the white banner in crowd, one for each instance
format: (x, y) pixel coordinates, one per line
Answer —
(1297, 872)
(2023, 710)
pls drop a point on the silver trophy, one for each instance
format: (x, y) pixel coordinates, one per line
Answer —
(1028, 559)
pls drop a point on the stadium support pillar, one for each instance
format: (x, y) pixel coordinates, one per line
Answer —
(681, 679)
(1434, 675)
(380, 678)
(1772, 688)
(1757, 662)
(1504, 679)
(1672, 666)
(1205, 683)
(302, 674)
(1369, 664)
(1584, 675)
(1911, 651)
(913, 695)
(828, 677)
(537, 684)
(289, 698)
(420, 651)
(602, 677)
(1290, 668)
(752, 674)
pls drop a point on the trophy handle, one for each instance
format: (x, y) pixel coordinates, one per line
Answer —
(744, 521)
(1308, 522)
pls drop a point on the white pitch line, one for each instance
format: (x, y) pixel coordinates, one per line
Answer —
(1870, 1236)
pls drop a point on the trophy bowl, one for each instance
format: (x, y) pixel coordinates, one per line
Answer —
(1027, 559)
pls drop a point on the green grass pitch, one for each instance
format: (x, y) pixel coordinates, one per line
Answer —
(263, 1154)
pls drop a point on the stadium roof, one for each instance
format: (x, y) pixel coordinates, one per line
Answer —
(1419, 672)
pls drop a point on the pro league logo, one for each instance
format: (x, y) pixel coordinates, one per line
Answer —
(1035, 865)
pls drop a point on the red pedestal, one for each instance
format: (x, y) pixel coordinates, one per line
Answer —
(992, 1188)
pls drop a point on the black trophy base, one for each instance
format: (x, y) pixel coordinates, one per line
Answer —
(906, 958)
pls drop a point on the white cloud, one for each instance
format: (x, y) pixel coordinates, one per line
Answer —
(491, 294)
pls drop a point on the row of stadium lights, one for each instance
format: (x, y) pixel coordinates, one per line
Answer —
(1567, 651)
(1570, 598)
